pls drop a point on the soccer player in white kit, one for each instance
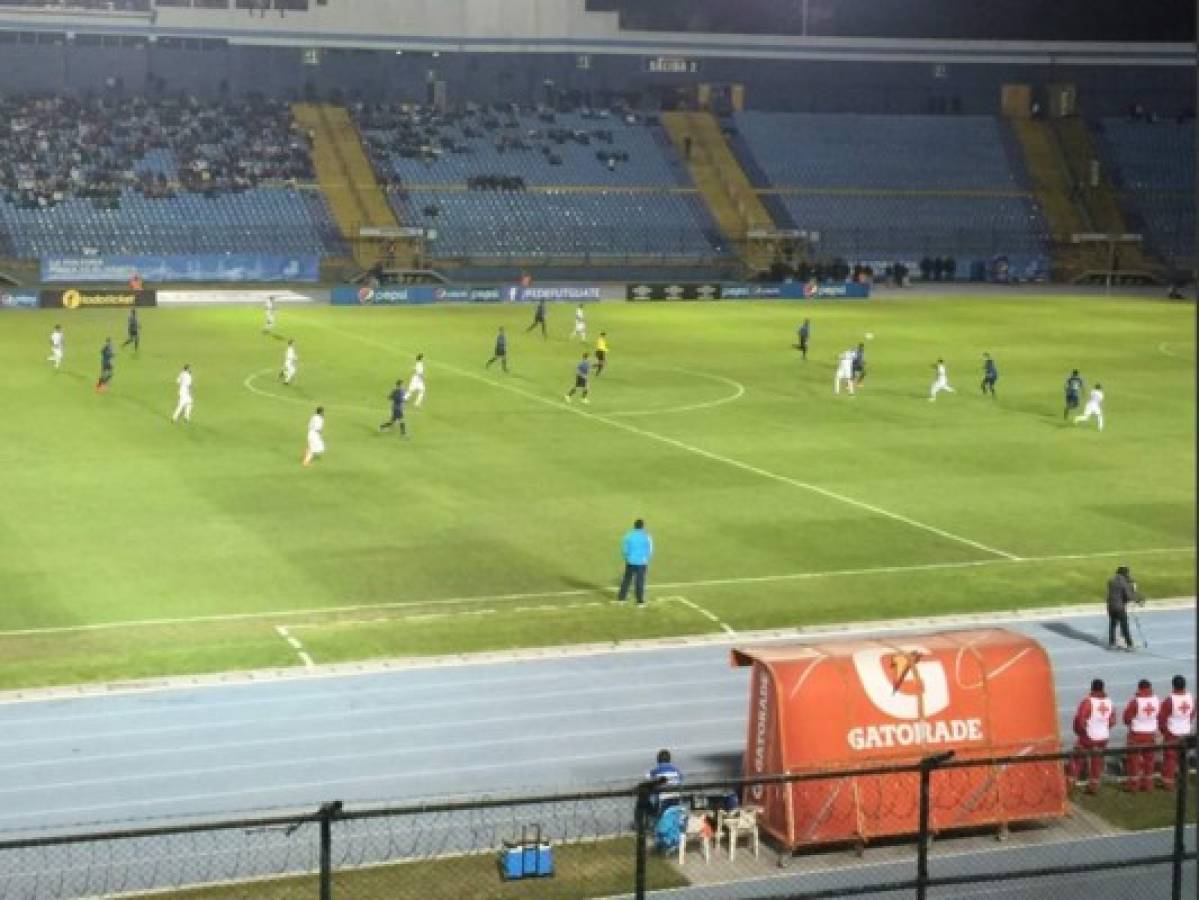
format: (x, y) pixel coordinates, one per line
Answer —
(580, 331)
(57, 347)
(316, 437)
(270, 313)
(416, 384)
(941, 383)
(184, 406)
(1094, 407)
(290, 360)
(844, 372)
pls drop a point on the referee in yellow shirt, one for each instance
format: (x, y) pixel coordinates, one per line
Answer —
(601, 352)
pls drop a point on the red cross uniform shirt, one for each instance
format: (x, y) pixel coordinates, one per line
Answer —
(1141, 713)
(1177, 715)
(1095, 717)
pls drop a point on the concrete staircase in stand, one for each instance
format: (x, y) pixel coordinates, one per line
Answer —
(726, 189)
(347, 179)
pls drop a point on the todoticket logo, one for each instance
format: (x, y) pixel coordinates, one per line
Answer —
(909, 689)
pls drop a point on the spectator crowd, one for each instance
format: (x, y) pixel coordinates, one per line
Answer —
(420, 132)
(52, 148)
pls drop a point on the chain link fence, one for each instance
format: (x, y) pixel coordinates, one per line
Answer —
(939, 828)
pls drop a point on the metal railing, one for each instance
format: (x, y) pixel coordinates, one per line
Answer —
(607, 842)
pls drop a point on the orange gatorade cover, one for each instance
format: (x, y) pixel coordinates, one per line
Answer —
(854, 704)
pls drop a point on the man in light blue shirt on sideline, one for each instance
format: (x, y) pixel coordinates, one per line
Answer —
(637, 547)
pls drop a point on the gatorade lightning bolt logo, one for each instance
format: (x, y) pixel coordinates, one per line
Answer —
(905, 686)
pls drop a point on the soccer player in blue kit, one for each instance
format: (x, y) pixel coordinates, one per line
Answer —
(397, 398)
(1074, 386)
(501, 350)
(582, 372)
(990, 375)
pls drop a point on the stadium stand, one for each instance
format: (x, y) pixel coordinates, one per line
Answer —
(509, 181)
(107, 5)
(1152, 165)
(912, 185)
(536, 224)
(163, 176)
(540, 146)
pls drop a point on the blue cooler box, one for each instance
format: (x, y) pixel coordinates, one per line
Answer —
(527, 858)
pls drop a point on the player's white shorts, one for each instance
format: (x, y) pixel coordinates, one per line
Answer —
(56, 356)
(941, 384)
(185, 399)
(416, 384)
(844, 372)
(1093, 409)
(316, 443)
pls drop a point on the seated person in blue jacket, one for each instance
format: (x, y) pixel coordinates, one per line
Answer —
(667, 775)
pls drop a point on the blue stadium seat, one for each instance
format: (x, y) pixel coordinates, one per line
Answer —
(1152, 164)
(614, 224)
(262, 220)
(885, 187)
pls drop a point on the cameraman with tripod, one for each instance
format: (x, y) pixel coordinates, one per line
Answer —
(1121, 591)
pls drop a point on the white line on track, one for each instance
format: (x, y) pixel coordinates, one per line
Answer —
(291, 788)
(295, 644)
(691, 448)
(535, 739)
(702, 694)
(548, 595)
(533, 691)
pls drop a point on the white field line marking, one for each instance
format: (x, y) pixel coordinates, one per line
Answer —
(295, 645)
(1164, 349)
(249, 384)
(432, 664)
(546, 595)
(432, 617)
(703, 612)
(698, 451)
(737, 386)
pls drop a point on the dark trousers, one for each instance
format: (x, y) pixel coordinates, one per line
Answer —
(633, 574)
(1120, 619)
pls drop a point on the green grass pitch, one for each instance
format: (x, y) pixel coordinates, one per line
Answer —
(771, 501)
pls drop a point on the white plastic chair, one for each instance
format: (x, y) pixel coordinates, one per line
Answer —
(741, 822)
(697, 829)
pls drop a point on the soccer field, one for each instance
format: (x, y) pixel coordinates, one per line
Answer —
(134, 547)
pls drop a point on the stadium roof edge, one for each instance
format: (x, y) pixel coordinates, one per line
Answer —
(647, 43)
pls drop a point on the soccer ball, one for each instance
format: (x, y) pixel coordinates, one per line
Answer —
(869, 335)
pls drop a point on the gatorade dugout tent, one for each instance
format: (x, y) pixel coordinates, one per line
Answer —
(856, 704)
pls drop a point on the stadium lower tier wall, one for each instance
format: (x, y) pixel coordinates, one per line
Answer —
(229, 268)
(49, 62)
(584, 293)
